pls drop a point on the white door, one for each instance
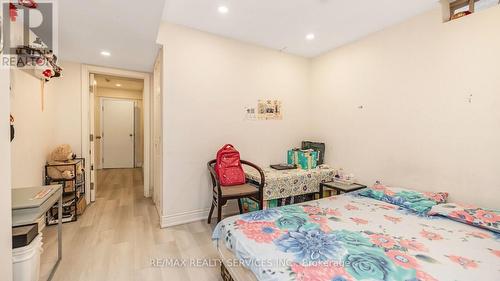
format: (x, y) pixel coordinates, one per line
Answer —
(117, 133)
(92, 94)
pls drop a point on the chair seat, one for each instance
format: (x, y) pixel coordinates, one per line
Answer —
(238, 190)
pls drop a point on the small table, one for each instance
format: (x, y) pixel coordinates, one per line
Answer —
(287, 183)
(339, 187)
(26, 209)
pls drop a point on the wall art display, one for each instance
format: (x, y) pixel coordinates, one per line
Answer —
(269, 110)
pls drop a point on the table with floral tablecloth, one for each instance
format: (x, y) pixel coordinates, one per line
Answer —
(287, 183)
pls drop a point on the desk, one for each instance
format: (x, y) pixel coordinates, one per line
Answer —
(287, 183)
(27, 210)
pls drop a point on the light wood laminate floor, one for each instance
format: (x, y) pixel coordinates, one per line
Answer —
(118, 236)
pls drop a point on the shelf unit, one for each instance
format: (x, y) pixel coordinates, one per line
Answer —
(73, 190)
(455, 9)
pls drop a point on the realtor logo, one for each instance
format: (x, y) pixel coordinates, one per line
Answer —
(29, 28)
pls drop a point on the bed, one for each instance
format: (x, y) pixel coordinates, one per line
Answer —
(351, 237)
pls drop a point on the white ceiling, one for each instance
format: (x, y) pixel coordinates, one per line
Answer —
(127, 29)
(283, 24)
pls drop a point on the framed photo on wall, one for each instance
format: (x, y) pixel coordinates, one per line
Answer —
(269, 110)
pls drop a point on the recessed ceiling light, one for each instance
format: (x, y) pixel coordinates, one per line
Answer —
(118, 85)
(106, 53)
(223, 9)
(310, 36)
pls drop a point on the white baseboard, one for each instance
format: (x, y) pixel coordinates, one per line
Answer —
(196, 215)
(183, 218)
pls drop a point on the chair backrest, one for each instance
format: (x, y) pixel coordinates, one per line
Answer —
(213, 174)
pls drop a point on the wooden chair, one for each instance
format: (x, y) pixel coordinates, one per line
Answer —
(221, 194)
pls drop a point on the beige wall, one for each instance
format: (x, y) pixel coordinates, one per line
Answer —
(37, 132)
(139, 138)
(66, 95)
(5, 184)
(34, 130)
(208, 81)
(417, 128)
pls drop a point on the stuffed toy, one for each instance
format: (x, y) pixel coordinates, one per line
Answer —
(67, 174)
(63, 154)
(60, 172)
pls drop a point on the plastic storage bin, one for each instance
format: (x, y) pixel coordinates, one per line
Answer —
(26, 260)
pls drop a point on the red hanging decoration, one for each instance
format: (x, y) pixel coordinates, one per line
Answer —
(28, 3)
(12, 12)
(31, 4)
(47, 73)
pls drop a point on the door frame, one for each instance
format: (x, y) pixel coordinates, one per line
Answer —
(157, 141)
(92, 178)
(85, 72)
(101, 127)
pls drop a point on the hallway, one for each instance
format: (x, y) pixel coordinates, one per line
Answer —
(118, 236)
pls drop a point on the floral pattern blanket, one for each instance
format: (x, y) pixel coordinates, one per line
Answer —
(351, 237)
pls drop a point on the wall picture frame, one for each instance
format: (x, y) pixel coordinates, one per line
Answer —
(269, 110)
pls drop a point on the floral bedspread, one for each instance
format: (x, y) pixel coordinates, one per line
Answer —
(286, 183)
(351, 237)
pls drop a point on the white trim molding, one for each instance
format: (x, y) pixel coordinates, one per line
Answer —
(86, 70)
(196, 215)
(183, 218)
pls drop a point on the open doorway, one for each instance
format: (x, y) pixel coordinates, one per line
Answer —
(116, 126)
(118, 122)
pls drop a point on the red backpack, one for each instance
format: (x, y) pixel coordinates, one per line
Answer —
(228, 166)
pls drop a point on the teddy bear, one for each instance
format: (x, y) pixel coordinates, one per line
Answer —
(63, 154)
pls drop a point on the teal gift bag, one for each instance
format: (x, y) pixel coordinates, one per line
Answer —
(303, 160)
(314, 159)
(291, 157)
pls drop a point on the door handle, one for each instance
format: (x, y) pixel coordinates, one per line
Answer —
(98, 137)
(131, 135)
